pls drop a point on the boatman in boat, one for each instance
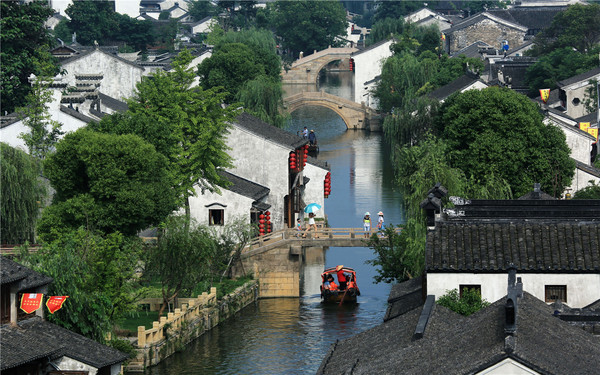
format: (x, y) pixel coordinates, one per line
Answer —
(341, 276)
(312, 138)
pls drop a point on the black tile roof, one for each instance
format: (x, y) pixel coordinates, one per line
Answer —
(245, 187)
(270, 132)
(372, 46)
(592, 118)
(34, 338)
(476, 19)
(535, 18)
(404, 297)
(76, 114)
(557, 247)
(587, 168)
(11, 271)
(454, 86)
(112, 103)
(91, 50)
(580, 77)
(454, 344)
(472, 50)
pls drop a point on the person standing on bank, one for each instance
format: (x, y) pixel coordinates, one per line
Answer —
(367, 224)
(312, 138)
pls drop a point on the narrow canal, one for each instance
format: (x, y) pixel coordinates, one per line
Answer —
(291, 336)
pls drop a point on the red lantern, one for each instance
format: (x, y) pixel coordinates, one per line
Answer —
(267, 213)
(261, 216)
(261, 221)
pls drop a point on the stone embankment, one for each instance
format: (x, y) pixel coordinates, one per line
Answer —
(173, 332)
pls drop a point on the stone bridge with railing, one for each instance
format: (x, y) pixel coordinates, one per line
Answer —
(306, 69)
(355, 115)
(276, 259)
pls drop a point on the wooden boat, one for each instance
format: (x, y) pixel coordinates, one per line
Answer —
(313, 150)
(348, 295)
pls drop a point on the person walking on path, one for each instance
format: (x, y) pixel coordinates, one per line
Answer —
(380, 222)
(298, 228)
(367, 224)
(311, 225)
(305, 132)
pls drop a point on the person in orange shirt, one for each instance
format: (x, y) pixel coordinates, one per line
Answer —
(341, 276)
(330, 284)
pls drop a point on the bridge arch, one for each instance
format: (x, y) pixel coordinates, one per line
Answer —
(306, 69)
(291, 108)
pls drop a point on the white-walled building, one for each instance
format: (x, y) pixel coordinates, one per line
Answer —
(552, 243)
(262, 179)
(367, 66)
(573, 92)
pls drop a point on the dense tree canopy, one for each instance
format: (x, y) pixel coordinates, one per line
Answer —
(97, 21)
(309, 25)
(200, 9)
(21, 195)
(186, 124)
(500, 131)
(577, 27)
(25, 49)
(107, 183)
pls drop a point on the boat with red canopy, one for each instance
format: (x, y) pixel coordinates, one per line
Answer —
(331, 290)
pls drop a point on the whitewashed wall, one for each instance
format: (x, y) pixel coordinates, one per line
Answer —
(313, 193)
(264, 162)
(582, 289)
(582, 179)
(508, 367)
(577, 91)
(238, 206)
(69, 364)
(368, 66)
(119, 78)
(10, 134)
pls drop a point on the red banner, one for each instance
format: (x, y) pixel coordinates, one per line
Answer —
(545, 94)
(31, 302)
(54, 303)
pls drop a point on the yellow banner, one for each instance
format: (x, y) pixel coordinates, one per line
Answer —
(593, 132)
(584, 126)
(545, 94)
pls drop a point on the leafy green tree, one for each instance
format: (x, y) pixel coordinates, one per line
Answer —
(25, 49)
(230, 67)
(96, 272)
(186, 124)
(386, 28)
(577, 27)
(43, 131)
(21, 195)
(107, 183)
(200, 9)
(467, 304)
(396, 9)
(557, 65)
(500, 131)
(309, 25)
(262, 42)
(592, 191)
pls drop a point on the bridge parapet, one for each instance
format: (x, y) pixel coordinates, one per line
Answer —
(306, 70)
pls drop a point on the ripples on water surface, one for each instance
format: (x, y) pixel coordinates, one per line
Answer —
(291, 336)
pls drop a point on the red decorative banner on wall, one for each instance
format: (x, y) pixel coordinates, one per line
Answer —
(31, 302)
(54, 303)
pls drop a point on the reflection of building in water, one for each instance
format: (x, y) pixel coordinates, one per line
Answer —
(366, 174)
(314, 264)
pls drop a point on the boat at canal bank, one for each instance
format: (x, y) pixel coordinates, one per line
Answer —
(347, 295)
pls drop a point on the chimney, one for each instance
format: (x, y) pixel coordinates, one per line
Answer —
(537, 191)
(432, 206)
(511, 308)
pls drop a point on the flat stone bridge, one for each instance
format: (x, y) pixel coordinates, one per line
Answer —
(355, 115)
(276, 259)
(306, 69)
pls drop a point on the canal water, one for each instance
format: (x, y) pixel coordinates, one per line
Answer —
(291, 335)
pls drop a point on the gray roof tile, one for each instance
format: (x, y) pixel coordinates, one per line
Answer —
(270, 132)
(11, 271)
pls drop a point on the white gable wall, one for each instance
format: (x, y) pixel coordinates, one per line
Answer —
(368, 66)
(264, 162)
(582, 289)
(119, 78)
(508, 366)
(10, 134)
(69, 364)
(314, 190)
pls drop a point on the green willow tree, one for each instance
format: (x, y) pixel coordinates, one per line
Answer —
(263, 98)
(21, 195)
(186, 124)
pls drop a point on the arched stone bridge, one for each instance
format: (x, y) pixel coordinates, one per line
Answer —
(356, 116)
(306, 70)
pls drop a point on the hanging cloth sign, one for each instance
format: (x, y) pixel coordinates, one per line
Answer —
(54, 303)
(31, 302)
(545, 94)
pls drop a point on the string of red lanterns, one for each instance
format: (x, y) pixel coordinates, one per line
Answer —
(327, 185)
